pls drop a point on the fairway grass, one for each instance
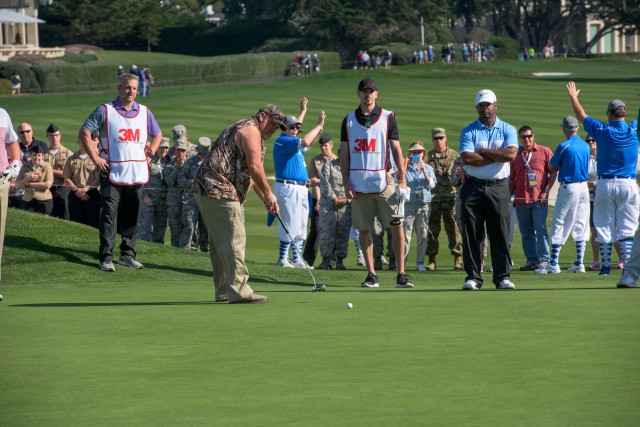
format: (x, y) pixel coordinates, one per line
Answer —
(150, 347)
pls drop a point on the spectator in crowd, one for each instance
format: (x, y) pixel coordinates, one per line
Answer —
(175, 191)
(335, 217)
(487, 146)
(36, 178)
(420, 180)
(123, 168)
(16, 84)
(232, 167)
(192, 221)
(153, 209)
(120, 71)
(388, 58)
(57, 157)
(429, 54)
(25, 134)
(10, 168)
(180, 135)
(617, 202)
(291, 185)
(571, 213)
(443, 204)
(82, 177)
(531, 181)
(315, 64)
(314, 171)
(364, 167)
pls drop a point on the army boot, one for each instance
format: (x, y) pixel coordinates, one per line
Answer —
(340, 264)
(325, 264)
(457, 262)
(432, 263)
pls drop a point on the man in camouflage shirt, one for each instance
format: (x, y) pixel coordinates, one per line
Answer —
(153, 209)
(175, 191)
(443, 205)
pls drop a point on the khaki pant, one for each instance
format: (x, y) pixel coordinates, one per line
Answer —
(4, 205)
(224, 220)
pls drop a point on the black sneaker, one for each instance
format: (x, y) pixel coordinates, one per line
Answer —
(371, 281)
(403, 281)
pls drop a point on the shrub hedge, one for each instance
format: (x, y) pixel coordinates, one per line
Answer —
(52, 78)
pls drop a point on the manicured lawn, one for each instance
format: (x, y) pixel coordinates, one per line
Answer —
(149, 347)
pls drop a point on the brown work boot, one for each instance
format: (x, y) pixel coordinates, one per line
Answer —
(432, 263)
(254, 298)
(457, 260)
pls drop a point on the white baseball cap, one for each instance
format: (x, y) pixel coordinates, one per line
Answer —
(485, 95)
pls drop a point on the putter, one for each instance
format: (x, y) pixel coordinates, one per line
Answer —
(316, 287)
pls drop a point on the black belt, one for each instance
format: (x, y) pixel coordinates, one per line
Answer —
(614, 177)
(487, 181)
(286, 181)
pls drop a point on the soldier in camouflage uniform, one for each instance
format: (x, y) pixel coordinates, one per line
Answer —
(153, 209)
(175, 191)
(443, 205)
(335, 216)
(180, 136)
(191, 220)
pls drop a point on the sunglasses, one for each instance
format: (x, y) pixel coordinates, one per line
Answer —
(282, 126)
(298, 127)
(590, 140)
(367, 122)
(526, 136)
(438, 138)
(24, 131)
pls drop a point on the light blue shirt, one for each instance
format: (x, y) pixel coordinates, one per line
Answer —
(420, 190)
(477, 135)
(288, 159)
(571, 158)
(617, 143)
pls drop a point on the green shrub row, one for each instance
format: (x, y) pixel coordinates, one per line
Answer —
(56, 78)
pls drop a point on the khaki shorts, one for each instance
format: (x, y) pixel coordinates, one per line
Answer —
(365, 206)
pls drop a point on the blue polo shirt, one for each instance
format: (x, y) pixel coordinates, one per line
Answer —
(617, 142)
(288, 159)
(477, 135)
(571, 158)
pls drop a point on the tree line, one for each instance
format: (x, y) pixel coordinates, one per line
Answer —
(344, 26)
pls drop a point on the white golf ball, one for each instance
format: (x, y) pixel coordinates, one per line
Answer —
(349, 305)
(1, 297)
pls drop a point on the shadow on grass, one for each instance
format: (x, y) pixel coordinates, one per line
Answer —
(112, 304)
(31, 244)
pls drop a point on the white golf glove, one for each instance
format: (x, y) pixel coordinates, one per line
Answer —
(402, 194)
(13, 170)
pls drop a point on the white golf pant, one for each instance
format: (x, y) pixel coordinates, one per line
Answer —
(571, 214)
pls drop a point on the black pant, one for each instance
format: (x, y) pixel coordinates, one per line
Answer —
(44, 206)
(311, 245)
(120, 205)
(85, 211)
(60, 201)
(491, 205)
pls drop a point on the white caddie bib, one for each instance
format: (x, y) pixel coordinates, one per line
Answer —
(125, 147)
(368, 153)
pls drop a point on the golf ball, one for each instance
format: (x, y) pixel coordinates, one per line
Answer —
(349, 305)
(1, 297)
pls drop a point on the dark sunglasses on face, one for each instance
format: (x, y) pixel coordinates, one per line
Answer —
(526, 136)
(590, 140)
(25, 131)
(298, 127)
(438, 138)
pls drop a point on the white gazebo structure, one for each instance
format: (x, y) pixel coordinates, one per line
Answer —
(19, 31)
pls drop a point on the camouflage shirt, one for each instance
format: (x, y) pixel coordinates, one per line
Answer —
(174, 191)
(331, 185)
(156, 186)
(224, 173)
(442, 164)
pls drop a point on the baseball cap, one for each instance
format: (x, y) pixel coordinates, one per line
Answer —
(485, 95)
(416, 146)
(615, 105)
(52, 128)
(165, 143)
(325, 139)
(276, 114)
(367, 83)
(438, 132)
(179, 133)
(570, 123)
(204, 145)
(290, 121)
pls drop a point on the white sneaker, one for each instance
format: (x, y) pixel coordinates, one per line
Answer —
(360, 261)
(547, 269)
(576, 268)
(301, 264)
(421, 267)
(385, 262)
(130, 261)
(470, 285)
(506, 284)
(627, 281)
(285, 262)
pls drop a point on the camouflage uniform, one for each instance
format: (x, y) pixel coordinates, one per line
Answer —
(156, 190)
(443, 204)
(334, 223)
(191, 220)
(174, 200)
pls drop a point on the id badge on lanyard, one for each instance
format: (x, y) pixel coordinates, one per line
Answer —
(532, 178)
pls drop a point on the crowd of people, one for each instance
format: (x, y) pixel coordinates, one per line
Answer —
(304, 64)
(369, 189)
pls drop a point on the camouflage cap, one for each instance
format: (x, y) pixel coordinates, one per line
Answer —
(204, 145)
(179, 133)
(275, 113)
(165, 143)
(182, 145)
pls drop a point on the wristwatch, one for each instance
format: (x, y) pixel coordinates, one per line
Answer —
(547, 190)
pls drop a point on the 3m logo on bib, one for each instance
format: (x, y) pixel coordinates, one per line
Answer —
(129, 135)
(362, 144)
